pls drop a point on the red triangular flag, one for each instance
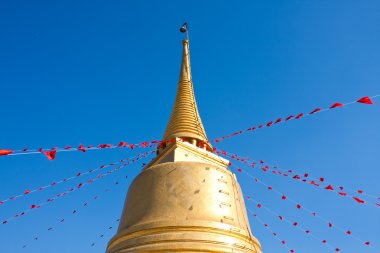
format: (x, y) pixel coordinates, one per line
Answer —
(315, 110)
(314, 183)
(365, 100)
(5, 152)
(329, 187)
(289, 117)
(360, 201)
(336, 105)
(82, 148)
(299, 116)
(50, 154)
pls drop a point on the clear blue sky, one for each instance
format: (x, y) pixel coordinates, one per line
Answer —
(103, 71)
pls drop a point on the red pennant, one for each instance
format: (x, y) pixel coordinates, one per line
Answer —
(145, 144)
(321, 179)
(295, 224)
(348, 232)
(324, 241)
(280, 217)
(315, 110)
(283, 197)
(329, 187)
(342, 194)
(26, 192)
(365, 100)
(50, 154)
(283, 242)
(269, 123)
(360, 191)
(330, 225)
(82, 148)
(360, 201)
(299, 116)
(5, 152)
(314, 183)
(259, 205)
(289, 117)
(336, 105)
(239, 170)
(278, 120)
(298, 206)
(367, 243)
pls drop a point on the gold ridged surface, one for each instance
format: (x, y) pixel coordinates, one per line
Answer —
(184, 207)
(185, 120)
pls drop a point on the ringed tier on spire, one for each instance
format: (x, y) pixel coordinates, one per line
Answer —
(185, 121)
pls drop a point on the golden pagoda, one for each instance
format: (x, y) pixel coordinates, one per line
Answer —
(186, 199)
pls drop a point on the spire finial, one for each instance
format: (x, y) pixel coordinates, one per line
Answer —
(185, 121)
(184, 29)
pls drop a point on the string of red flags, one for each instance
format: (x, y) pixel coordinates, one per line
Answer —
(299, 206)
(364, 100)
(321, 182)
(67, 192)
(75, 211)
(28, 191)
(295, 224)
(101, 236)
(272, 232)
(302, 207)
(51, 153)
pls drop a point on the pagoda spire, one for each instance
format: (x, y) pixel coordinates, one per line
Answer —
(185, 121)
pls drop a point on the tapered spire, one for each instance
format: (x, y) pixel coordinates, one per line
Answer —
(185, 121)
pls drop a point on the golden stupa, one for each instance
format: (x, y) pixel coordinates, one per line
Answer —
(186, 199)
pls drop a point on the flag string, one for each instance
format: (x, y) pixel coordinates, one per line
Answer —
(302, 177)
(101, 236)
(302, 207)
(75, 211)
(267, 227)
(294, 224)
(79, 174)
(51, 153)
(364, 100)
(79, 186)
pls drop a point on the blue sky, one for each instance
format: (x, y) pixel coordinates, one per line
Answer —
(94, 72)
